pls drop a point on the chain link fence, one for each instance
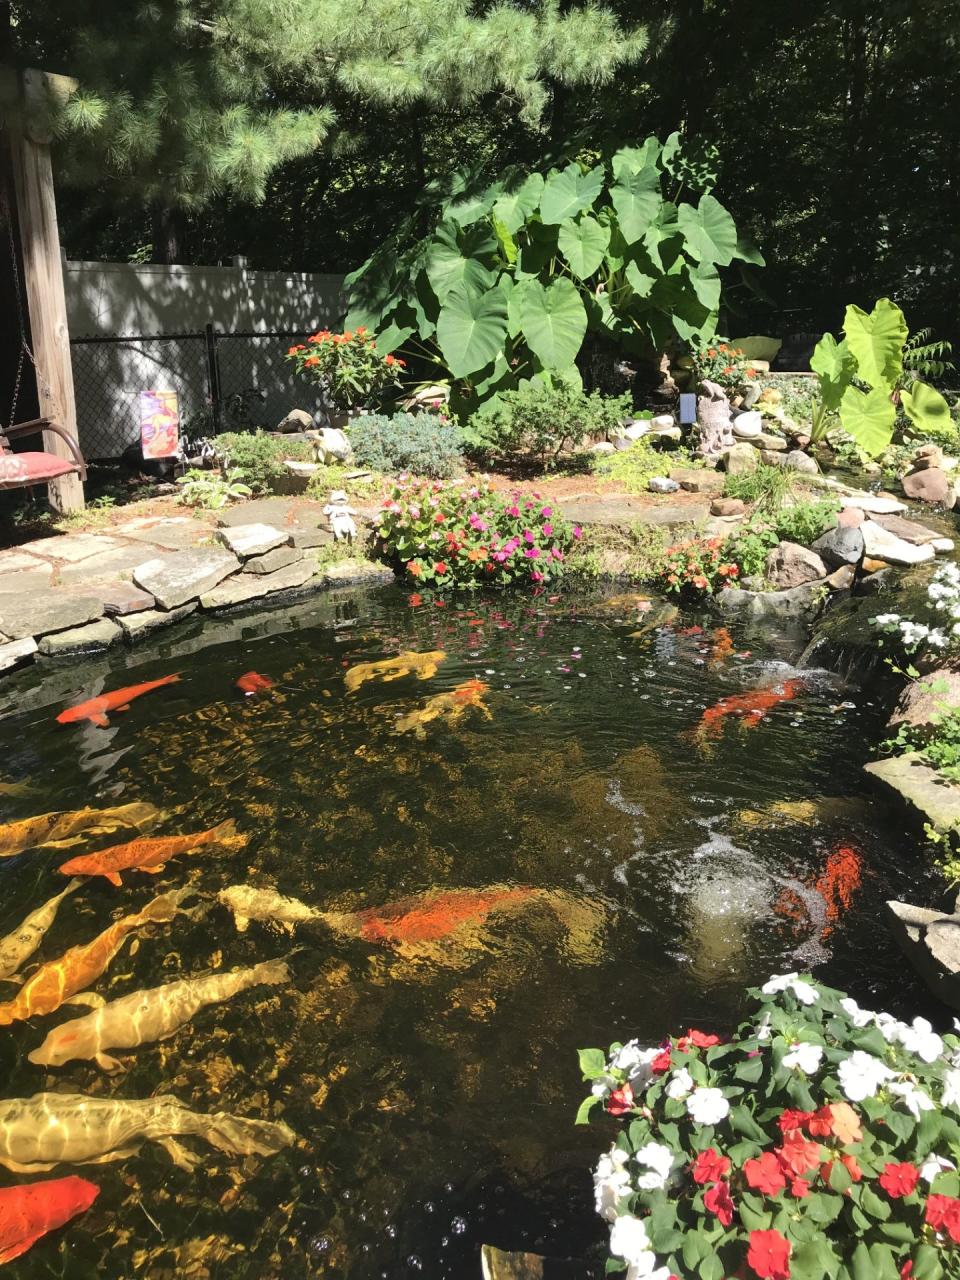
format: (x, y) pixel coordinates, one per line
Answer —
(223, 381)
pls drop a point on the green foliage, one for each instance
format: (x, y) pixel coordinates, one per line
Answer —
(716, 360)
(328, 478)
(256, 459)
(750, 546)
(871, 355)
(462, 535)
(768, 487)
(515, 273)
(631, 469)
(925, 357)
(210, 489)
(803, 522)
(349, 367)
(422, 443)
(545, 418)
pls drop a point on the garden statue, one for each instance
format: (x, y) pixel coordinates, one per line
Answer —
(713, 415)
(341, 516)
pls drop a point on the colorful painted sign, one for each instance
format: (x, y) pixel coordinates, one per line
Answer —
(159, 424)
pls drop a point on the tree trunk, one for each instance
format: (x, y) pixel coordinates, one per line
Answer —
(166, 234)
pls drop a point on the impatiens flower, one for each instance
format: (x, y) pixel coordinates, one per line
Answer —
(846, 1123)
(768, 1255)
(661, 1062)
(547, 530)
(804, 1056)
(680, 1084)
(797, 1156)
(658, 1159)
(611, 1181)
(699, 1040)
(934, 1165)
(916, 1099)
(764, 1174)
(943, 1214)
(859, 1017)
(620, 1101)
(951, 1088)
(800, 1188)
(577, 532)
(709, 1166)
(707, 1106)
(532, 553)
(629, 1240)
(899, 1180)
(763, 1030)
(793, 1121)
(718, 1201)
(546, 512)
(440, 568)
(861, 1075)
(803, 991)
(632, 1059)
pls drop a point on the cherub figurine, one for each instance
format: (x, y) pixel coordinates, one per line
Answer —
(341, 516)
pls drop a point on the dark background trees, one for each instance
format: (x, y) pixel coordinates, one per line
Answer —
(837, 125)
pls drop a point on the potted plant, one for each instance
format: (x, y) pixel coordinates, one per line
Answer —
(348, 367)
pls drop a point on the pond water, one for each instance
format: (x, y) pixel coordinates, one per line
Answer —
(633, 866)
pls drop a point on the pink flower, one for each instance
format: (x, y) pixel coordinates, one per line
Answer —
(547, 512)
(536, 576)
(500, 556)
(577, 532)
(548, 530)
(529, 535)
(532, 553)
(556, 553)
(513, 511)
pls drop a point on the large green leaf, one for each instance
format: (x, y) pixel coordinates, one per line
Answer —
(455, 258)
(583, 244)
(569, 192)
(636, 199)
(926, 408)
(538, 246)
(876, 341)
(515, 206)
(706, 285)
(632, 159)
(640, 282)
(869, 418)
(710, 231)
(554, 321)
(835, 364)
(471, 328)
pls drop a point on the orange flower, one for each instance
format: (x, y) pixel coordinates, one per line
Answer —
(390, 360)
(712, 352)
(751, 373)
(724, 347)
(361, 329)
(402, 363)
(312, 360)
(348, 336)
(414, 569)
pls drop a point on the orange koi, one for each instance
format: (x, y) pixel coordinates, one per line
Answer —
(430, 916)
(839, 881)
(252, 683)
(30, 1210)
(67, 978)
(750, 707)
(96, 709)
(150, 854)
(722, 647)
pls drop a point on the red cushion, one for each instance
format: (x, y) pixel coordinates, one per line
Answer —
(17, 469)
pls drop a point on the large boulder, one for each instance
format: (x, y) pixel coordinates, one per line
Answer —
(839, 546)
(797, 460)
(880, 544)
(296, 420)
(930, 485)
(922, 701)
(740, 460)
(185, 576)
(790, 565)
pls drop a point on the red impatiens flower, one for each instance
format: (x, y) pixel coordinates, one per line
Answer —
(620, 1100)
(415, 600)
(718, 1201)
(797, 1156)
(662, 1062)
(765, 1175)
(800, 1188)
(820, 1123)
(793, 1121)
(899, 1180)
(943, 1214)
(710, 1166)
(440, 568)
(769, 1255)
(906, 1271)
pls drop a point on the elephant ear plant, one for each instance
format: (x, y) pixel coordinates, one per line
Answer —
(862, 376)
(513, 275)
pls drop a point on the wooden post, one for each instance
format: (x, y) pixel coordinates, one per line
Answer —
(43, 272)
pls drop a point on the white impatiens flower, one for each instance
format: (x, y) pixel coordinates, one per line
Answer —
(916, 1099)
(861, 1075)
(934, 1165)
(859, 1017)
(680, 1084)
(629, 1240)
(921, 1039)
(603, 1085)
(658, 1159)
(805, 1056)
(951, 1088)
(707, 1106)
(763, 1030)
(803, 991)
(611, 1181)
(635, 1062)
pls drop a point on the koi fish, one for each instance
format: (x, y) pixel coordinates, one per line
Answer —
(38, 1133)
(839, 881)
(248, 903)
(451, 707)
(252, 683)
(655, 619)
(145, 1016)
(750, 707)
(29, 1211)
(422, 665)
(721, 648)
(96, 709)
(65, 980)
(804, 812)
(16, 789)
(17, 947)
(59, 830)
(150, 855)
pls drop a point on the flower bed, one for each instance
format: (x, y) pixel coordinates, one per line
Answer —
(466, 535)
(820, 1141)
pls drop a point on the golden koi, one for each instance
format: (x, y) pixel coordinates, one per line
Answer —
(145, 1016)
(66, 979)
(248, 903)
(48, 1129)
(451, 706)
(150, 855)
(54, 829)
(422, 665)
(18, 946)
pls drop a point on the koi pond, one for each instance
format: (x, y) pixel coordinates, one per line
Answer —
(511, 826)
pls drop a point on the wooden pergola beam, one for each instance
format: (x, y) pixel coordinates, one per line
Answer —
(42, 264)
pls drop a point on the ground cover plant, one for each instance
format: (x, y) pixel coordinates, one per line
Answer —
(467, 535)
(257, 459)
(425, 444)
(210, 489)
(820, 1140)
(545, 418)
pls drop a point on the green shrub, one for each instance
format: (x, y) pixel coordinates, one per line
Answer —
(767, 487)
(327, 478)
(210, 489)
(805, 521)
(749, 547)
(543, 419)
(421, 443)
(257, 458)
